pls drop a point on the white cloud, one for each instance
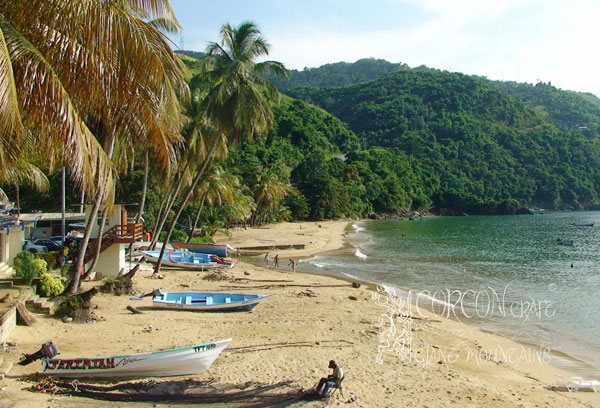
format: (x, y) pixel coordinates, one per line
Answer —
(522, 40)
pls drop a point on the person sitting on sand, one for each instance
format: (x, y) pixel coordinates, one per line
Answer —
(333, 380)
(267, 259)
(276, 261)
(293, 263)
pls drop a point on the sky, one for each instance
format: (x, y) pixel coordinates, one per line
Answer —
(529, 41)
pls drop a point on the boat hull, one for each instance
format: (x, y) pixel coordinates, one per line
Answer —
(181, 361)
(206, 302)
(174, 260)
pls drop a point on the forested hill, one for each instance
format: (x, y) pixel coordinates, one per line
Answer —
(338, 74)
(568, 110)
(474, 146)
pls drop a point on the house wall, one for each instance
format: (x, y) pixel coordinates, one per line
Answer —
(112, 219)
(111, 261)
(11, 243)
(15, 243)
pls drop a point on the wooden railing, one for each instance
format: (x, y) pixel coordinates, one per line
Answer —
(119, 234)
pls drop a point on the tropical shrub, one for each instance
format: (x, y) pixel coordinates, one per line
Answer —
(29, 267)
(50, 286)
(51, 258)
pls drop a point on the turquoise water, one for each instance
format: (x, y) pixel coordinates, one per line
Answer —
(508, 273)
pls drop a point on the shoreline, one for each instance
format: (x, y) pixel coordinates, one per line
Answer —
(563, 363)
(306, 321)
(563, 360)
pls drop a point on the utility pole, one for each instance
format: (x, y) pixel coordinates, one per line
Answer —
(63, 205)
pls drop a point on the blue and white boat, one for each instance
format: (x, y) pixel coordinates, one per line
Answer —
(188, 260)
(204, 248)
(209, 302)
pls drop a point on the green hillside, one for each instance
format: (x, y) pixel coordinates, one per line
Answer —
(338, 74)
(476, 148)
(568, 110)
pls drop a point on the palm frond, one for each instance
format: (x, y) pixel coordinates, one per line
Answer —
(11, 126)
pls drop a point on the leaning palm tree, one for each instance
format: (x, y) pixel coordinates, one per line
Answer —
(268, 190)
(239, 97)
(215, 189)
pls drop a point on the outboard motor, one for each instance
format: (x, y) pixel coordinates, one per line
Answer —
(48, 350)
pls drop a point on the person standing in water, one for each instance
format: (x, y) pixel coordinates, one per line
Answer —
(276, 261)
(293, 263)
(267, 259)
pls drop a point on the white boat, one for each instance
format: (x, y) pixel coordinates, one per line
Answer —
(180, 361)
(188, 260)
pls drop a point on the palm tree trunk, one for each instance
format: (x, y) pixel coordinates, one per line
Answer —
(189, 194)
(79, 266)
(144, 188)
(170, 200)
(162, 207)
(191, 234)
(138, 219)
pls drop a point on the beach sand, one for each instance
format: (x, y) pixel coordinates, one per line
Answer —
(292, 335)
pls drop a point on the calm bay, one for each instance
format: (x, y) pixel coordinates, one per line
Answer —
(508, 275)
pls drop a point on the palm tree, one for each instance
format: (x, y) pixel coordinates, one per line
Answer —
(215, 189)
(268, 190)
(125, 147)
(70, 66)
(198, 133)
(239, 98)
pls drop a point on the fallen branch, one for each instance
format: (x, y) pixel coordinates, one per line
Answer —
(134, 310)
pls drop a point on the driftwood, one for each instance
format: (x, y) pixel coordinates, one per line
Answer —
(87, 296)
(134, 310)
(77, 306)
(122, 284)
(129, 275)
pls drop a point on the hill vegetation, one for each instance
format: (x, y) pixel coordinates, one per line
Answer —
(477, 149)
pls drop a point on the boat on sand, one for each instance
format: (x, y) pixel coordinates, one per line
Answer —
(205, 302)
(180, 361)
(188, 260)
(204, 248)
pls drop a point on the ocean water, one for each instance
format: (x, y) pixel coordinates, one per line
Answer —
(504, 274)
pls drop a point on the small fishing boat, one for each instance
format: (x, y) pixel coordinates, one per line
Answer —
(179, 361)
(205, 248)
(188, 260)
(567, 242)
(201, 302)
(589, 224)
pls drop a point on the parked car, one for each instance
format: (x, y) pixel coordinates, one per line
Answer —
(31, 247)
(49, 243)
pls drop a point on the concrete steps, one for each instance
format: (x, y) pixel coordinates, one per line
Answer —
(36, 304)
(6, 271)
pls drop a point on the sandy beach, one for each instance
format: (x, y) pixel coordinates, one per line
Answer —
(306, 321)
